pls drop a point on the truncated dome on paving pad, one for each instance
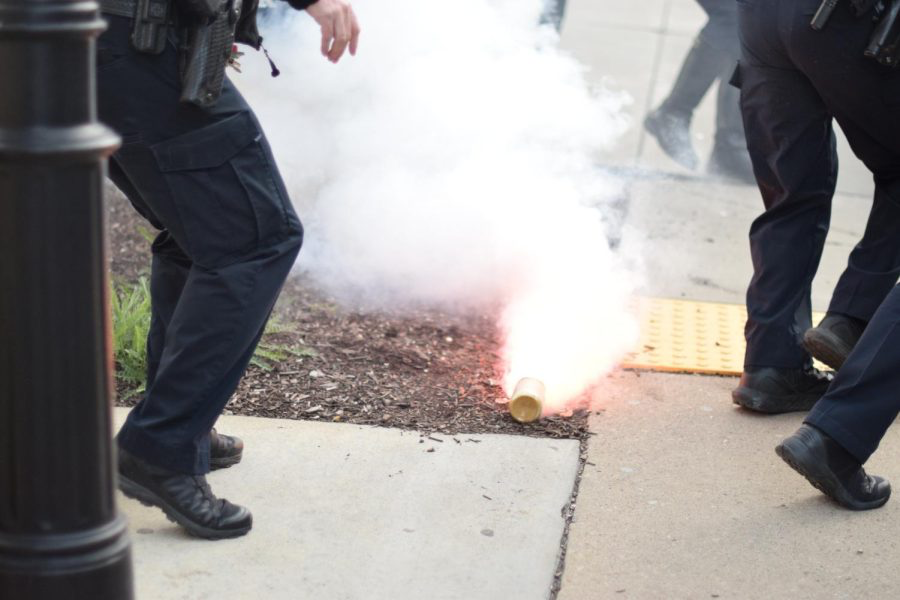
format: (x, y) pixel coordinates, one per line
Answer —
(685, 336)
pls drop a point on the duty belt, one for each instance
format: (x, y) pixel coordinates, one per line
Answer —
(120, 8)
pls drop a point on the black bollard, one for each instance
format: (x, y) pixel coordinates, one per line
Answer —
(61, 536)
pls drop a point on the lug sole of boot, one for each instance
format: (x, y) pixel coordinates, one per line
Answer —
(224, 462)
(826, 347)
(146, 497)
(810, 464)
(773, 405)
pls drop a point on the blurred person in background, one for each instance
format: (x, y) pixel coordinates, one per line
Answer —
(554, 12)
(712, 58)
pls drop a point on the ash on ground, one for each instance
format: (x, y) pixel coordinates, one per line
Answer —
(424, 370)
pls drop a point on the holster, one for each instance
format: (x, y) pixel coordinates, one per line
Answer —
(205, 51)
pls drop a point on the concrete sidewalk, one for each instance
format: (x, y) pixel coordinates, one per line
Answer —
(351, 512)
(683, 495)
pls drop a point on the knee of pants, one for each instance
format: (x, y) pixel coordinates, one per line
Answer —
(293, 239)
(228, 198)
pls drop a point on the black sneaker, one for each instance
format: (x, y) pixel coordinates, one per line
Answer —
(832, 340)
(185, 499)
(224, 450)
(832, 470)
(770, 390)
(673, 133)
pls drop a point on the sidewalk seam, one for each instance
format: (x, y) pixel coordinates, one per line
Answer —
(568, 513)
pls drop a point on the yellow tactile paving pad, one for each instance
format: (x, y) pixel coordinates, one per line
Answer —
(685, 336)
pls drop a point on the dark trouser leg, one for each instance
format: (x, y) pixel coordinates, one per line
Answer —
(209, 178)
(168, 277)
(864, 398)
(792, 147)
(862, 96)
(168, 272)
(874, 264)
(219, 320)
(794, 80)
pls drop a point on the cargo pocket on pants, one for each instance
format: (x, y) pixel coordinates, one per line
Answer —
(223, 217)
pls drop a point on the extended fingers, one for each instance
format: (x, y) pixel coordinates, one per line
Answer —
(354, 32)
(327, 36)
(341, 35)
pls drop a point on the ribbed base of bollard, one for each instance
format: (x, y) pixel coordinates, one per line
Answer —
(94, 564)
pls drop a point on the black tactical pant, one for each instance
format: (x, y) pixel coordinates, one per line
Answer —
(794, 80)
(864, 398)
(228, 237)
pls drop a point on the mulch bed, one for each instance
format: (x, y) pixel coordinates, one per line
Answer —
(422, 370)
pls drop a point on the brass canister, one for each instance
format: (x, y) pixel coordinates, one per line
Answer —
(527, 401)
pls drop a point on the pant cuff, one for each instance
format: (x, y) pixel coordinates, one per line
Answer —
(185, 459)
(857, 447)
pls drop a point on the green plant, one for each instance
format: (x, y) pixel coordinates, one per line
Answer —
(269, 352)
(130, 307)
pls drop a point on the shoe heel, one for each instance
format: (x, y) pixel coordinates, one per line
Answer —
(135, 492)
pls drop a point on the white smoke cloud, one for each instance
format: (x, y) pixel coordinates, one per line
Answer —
(452, 162)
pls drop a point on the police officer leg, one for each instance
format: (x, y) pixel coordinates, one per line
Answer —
(219, 317)
(874, 263)
(844, 429)
(860, 94)
(168, 273)
(864, 398)
(209, 178)
(792, 147)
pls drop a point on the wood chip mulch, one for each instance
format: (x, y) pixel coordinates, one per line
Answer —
(422, 370)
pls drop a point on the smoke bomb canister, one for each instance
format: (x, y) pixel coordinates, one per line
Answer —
(527, 401)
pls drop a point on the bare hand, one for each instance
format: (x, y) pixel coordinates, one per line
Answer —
(339, 27)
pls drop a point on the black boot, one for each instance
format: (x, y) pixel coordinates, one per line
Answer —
(185, 499)
(670, 123)
(832, 340)
(772, 391)
(224, 450)
(832, 470)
